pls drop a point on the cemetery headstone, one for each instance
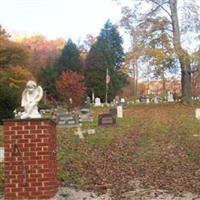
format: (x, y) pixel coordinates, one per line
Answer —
(1, 154)
(170, 97)
(113, 112)
(117, 100)
(91, 131)
(197, 113)
(122, 100)
(68, 120)
(87, 103)
(106, 120)
(123, 103)
(156, 99)
(147, 100)
(119, 111)
(97, 102)
(85, 115)
(142, 99)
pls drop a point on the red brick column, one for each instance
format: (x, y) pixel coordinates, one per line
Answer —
(30, 159)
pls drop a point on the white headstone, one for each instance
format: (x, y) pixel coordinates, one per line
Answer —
(122, 100)
(91, 131)
(30, 99)
(156, 100)
(1, 154)
(197, 113)
(170, 97)
(119, 111)
(97, 102)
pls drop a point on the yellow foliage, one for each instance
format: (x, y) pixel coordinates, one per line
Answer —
(16, 76)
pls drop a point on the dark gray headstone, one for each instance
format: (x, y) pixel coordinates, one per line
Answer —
(85, 115)
(113, 112)
(68, 120)
(106, 120)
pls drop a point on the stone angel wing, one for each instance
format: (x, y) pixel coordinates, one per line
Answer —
(39, 93)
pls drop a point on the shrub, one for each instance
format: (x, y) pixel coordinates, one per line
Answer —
(9, 100)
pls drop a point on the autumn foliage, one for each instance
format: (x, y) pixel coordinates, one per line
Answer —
(71, 86)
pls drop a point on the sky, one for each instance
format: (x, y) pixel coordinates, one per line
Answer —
(57, 18)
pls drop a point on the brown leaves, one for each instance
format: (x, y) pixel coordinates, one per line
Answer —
(154, 150)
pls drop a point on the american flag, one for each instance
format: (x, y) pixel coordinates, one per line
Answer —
(107, 77)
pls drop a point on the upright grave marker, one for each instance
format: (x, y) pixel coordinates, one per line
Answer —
(106, 120)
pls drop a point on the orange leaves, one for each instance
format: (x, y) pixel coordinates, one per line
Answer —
(16, 76)
(71, 87)
(42, 52)
(20, 75)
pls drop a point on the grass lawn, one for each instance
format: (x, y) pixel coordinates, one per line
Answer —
(157, 145)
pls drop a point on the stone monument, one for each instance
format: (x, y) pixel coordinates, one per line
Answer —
(119, 111)
(30, 99)
(197, 113)
(170, 97)
(97, 102)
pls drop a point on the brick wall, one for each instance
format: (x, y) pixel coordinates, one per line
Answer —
(30, 159)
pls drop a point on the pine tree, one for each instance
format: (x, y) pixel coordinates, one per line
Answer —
(47, 78)
(112, 37)
(106, 53)
(70, 58)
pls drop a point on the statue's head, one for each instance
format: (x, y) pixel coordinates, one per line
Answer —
(31, 85)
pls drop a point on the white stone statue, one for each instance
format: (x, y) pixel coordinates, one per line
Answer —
(30, 99)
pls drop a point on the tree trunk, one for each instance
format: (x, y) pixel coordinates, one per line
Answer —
(163, 84)
(186, 84)
(182, 55)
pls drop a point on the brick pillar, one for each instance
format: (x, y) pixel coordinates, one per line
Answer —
(30, 159)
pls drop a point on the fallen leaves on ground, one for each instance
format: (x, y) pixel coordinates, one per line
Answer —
(153, 145)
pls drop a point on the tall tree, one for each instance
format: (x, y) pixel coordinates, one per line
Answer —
(11, 53)
(112, 37)
(70, 58)
(42, 52)
(181, 24)
(71, 88)
(47, 78)
(106, 53)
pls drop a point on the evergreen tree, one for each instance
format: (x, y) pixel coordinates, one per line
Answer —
(112, 37)
(9, 100)
(47, 78)
(70, 58)
(106, 53)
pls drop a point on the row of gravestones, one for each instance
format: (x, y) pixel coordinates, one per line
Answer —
(75, 119)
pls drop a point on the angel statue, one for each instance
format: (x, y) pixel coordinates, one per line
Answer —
(31, 96)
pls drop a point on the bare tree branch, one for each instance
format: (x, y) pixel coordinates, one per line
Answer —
(161, 6)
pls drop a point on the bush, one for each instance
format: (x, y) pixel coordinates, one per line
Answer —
(9, 100)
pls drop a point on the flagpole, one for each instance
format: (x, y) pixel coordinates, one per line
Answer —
(107, 82)
(93, 98)
(106, 99)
